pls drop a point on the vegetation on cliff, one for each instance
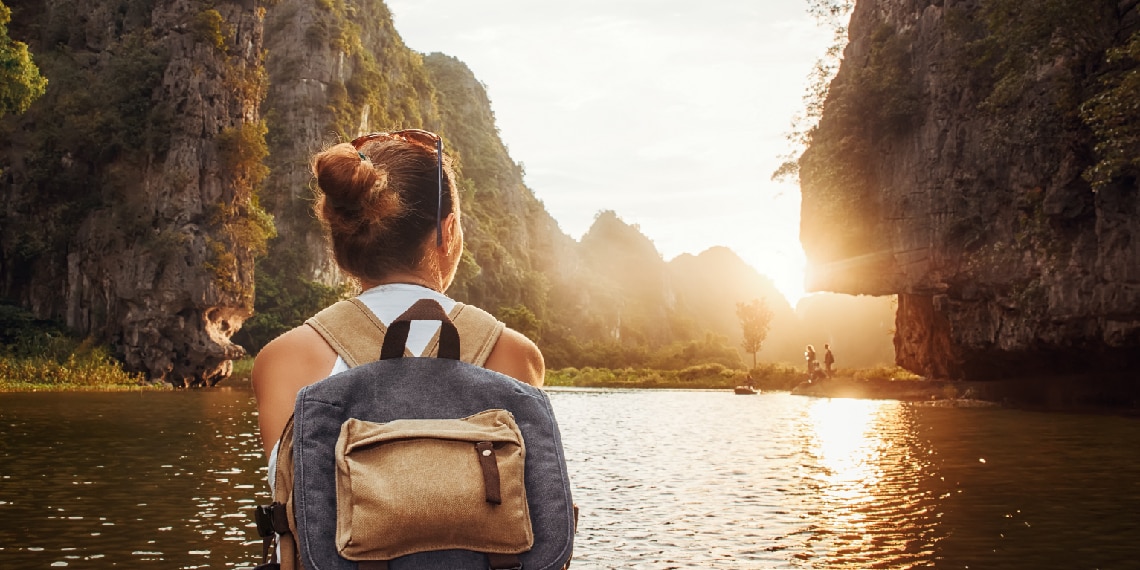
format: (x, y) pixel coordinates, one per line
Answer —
(978, 158)
(20, 79)
(131, 185)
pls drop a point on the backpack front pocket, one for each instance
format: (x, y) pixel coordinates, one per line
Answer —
(410, 486)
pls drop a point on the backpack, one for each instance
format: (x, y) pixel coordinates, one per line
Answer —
(418, 463)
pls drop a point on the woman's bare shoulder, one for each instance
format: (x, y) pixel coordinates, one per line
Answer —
(288, 363)
(518, 357)
(292, 361)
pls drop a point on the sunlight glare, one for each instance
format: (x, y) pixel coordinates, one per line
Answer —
(851, 443)
(844, 442)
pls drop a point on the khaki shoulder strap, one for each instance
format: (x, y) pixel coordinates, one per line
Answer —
(356, 334)
(478, 333)
(351, 330)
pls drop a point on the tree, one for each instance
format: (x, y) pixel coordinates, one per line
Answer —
(20, 79)
(755, 318)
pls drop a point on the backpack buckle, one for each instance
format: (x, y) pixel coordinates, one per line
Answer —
(271, 519)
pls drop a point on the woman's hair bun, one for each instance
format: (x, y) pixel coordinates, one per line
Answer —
(354, 190)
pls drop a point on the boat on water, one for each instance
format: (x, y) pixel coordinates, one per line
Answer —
(744, 390)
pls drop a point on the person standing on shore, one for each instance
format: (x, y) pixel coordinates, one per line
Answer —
(828, 359)
(809, 356)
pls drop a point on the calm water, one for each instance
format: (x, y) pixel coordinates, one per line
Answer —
(664, 479)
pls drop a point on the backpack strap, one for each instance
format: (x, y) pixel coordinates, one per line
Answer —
(351, 330)
(478, 333)
(356, 334)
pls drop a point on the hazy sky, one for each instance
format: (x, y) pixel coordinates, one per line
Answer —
(671, 113)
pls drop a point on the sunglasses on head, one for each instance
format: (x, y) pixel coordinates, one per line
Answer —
(422, 137)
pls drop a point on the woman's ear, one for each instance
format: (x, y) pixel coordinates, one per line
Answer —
(452, 231)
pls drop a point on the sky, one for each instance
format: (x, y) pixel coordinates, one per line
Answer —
(672, 113)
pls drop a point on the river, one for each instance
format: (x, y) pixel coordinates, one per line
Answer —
(664, 479)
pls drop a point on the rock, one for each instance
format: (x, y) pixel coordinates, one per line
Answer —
(135, 225)
(920, 183)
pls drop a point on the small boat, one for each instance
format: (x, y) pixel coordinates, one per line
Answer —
(744, 390)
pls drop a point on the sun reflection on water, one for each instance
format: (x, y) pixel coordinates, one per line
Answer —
(862, 468)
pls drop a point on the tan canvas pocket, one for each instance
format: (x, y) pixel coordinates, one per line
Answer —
(418, 485)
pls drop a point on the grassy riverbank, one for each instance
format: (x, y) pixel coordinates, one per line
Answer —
(766, 377)
(39, 355)
(706, 376)
(84, 369)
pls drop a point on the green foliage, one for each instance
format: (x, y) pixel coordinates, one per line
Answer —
(1114, 117)
(696, 377)
(242, 152)
(94, 128)
(284, 299)
(1021, 39)
(521, 319)
(240, 222)
(211, 28)
(87, 368)
(20, 79)
(881, 374)
(562, 349)
(833, 15)
(776, 376)
(42, 354)
(705, 376)
(755, 319)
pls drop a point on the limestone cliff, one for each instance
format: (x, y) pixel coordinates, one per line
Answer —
(128, 189)
(955, 164)
(336, 69)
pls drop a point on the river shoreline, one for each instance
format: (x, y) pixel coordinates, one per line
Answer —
(1058, 393)
(1061, 393)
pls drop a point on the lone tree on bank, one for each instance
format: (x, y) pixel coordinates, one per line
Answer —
(755, 318)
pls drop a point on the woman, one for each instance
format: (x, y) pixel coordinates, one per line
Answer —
(809, 356)
(389, 204)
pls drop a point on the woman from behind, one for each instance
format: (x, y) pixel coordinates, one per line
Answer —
(391, 211)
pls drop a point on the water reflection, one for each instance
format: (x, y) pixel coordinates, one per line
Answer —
(161, 480)
(866, 473)
(664, 479)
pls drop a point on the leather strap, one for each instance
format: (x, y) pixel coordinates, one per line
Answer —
(494, 562)
(422, 310)
(490, 467)
(504, 561)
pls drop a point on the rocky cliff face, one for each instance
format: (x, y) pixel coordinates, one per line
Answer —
(128, 189)
(337, 69)
(951, 166)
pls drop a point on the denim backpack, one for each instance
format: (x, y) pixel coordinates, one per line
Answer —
(418, 463)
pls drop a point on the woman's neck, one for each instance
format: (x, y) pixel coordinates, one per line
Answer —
(403, 279)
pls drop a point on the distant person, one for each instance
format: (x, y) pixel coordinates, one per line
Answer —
(809, 356)
(828, 359)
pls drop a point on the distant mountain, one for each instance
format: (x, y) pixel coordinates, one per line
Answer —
(710, 284)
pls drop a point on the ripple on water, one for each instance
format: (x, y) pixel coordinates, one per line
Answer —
(664, 479)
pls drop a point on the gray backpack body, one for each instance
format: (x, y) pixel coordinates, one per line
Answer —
(400, 388)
